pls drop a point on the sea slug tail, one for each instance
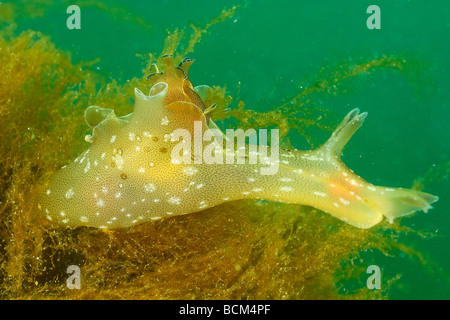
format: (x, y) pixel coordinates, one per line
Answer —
(398, 202)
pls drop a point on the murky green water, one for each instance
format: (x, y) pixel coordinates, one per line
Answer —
(273, 48)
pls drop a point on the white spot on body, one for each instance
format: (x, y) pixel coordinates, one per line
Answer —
(118, 160)
(88, 167)
(202, 204)
(164, 121)
(174, 200)
(149, 187)
(69, 193)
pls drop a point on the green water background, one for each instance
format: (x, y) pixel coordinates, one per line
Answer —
(272, 48)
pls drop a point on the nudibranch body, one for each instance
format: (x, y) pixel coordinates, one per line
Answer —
(129, 174)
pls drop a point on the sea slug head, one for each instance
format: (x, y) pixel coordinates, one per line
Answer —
(180, 88)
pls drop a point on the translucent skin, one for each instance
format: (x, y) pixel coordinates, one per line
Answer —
(128, 176)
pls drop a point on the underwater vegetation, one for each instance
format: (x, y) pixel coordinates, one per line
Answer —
(247, 249)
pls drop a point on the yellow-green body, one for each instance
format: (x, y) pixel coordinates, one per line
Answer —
(128, 175)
